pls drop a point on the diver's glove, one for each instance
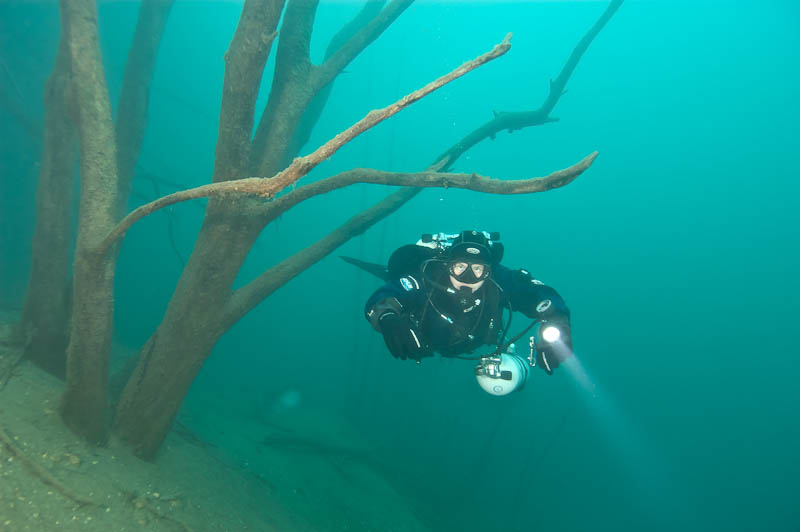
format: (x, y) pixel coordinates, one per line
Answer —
(550, 354)
(400, 336)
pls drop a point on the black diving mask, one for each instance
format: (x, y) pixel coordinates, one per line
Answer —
(469, 272)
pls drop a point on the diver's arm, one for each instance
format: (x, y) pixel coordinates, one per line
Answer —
(538, 301)
(391, 297)
(530, 296)
(389, 312)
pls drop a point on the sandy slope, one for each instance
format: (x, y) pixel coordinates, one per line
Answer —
(45, 471)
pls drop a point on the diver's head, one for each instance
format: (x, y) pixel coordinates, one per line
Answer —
(468, 274)
(469, 260)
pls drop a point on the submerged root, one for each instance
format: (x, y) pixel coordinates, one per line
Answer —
(44, 475)
(12, 348)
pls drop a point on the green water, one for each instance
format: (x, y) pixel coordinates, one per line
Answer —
(677, 252)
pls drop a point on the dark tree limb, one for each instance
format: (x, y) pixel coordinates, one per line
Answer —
(558, 85)
(334, 65)
(268, 188)
(519, 120)
(134, 97)
(302, 165)
(250, 295)
(244, 68)
(295, 43)
(432, 179)
(294, 265)
(291, 442)
(317, 104)
(297, 81)
(41, 473)
(85, 401)
(13, 345)
(45, 314)
(290, 91)
(246, 298)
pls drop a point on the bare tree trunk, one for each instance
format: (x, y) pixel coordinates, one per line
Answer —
(134, 97)
(105, 187)
(291, 90)
(245, 62)
(46, 309)
(244, 68)
(172, 357)
(47, 305)
(84, 404)
(203, 306)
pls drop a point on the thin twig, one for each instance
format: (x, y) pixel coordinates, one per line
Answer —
(142, 502)
(43, 475)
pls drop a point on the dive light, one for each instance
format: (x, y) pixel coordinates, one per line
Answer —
(550, 333)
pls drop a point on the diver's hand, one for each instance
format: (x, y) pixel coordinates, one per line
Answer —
(550, 355)
(400, 337)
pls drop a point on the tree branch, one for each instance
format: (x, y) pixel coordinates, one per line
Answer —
(244, 68)
(290, 92)
(46, 312)
(518, 120)
(432, 179)
(134, 96)
(557, 86)
(295, 43)
(317, 104)
(268, 188)
(297, 81)
(41, 473)
(249, 296)
(328, 70)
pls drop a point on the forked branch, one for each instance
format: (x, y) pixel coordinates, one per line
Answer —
(278, 275)
(247, 297)
(301, 166)
(511, 121)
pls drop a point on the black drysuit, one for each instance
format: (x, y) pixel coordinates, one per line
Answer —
(422, 313)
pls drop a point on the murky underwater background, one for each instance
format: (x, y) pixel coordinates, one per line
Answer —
(678, 252)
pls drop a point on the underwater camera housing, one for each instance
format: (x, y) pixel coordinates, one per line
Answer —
(502, 374)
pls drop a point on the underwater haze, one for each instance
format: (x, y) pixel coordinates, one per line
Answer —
(677, 251)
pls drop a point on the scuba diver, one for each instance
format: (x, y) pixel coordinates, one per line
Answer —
(448, 293)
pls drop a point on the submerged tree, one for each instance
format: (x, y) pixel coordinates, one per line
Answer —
(68, 321)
